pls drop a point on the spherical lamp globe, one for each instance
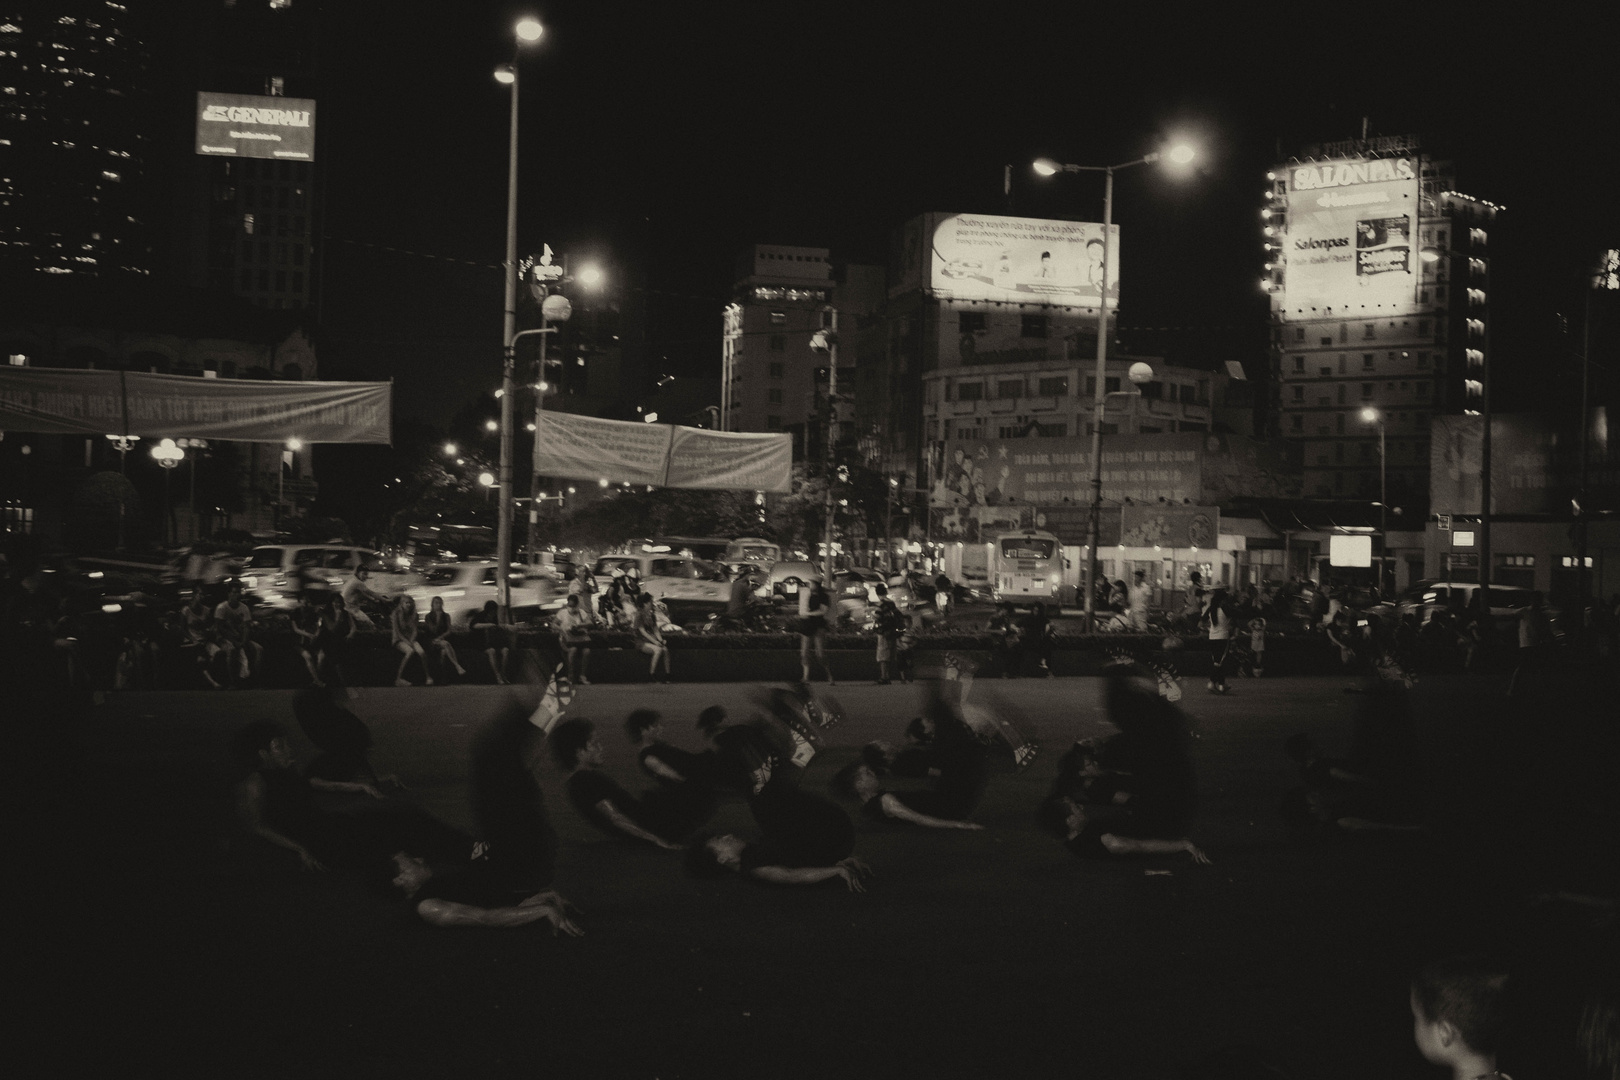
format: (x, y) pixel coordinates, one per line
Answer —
(1140, 373)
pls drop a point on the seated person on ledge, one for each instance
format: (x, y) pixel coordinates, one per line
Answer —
(1067, 819)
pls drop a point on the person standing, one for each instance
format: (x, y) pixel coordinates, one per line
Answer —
(1220, 622)
(306, 625)
(942, 594)
(1038, 638)
(813, 631)
(335, 641)
(891, 623)
(1140, 592)
(1003, 626)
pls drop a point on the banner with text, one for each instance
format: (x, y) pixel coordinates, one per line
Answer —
(52, 401)
(252, 126)
(621, 451)
(1350, 248)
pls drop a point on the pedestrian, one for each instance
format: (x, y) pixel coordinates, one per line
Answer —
(1139, 594)
(496, 638)
(306, 626)
(650, 636)
(905, 646)
(1038, 638)
(891, 624)
(813, 631)
(942, 594)
(1257, 646)
(435, 637)
(574, 623)
(403, 629)
(1009, 638)
(1221, 624)
(1193, 608)
(335, 642)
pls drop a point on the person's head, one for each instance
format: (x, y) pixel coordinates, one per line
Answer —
(715, 855)
(492, 609)
(882, 591)
(309, 599)
(582, 572)
(410, 872)
(1040, 608)
(855, 781)
(1141, 575)
(1196, 578)
(407, 606)
(710, 720)
(233, 595)
(573, 743)
(644, 600)
(642, 724)
(196, 596)
(879, 756)
(362, 572)
(436, 604)
(573, 601)
(1061, 816)
(336, 600)
(262, 744)
(921, 729)
(1457, 1007)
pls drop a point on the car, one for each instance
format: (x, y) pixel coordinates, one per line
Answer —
(467, 586)
(670, 578)
(270, 573)
(1425, 598)
(786, 576)
(858, 582)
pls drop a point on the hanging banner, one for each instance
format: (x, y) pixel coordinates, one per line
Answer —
(730, 460)
(52, 401)
(621, 451)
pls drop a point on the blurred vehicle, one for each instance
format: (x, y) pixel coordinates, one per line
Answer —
(752, 549)
(786, 576)
(272, 571)
(858, 581)
(707, 548)
(668, 578)
(1425, 598)
(467, 586)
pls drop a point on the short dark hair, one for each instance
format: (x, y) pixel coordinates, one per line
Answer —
(916, 730)
(637, 723)
(843, 781)
(1466, 992)
(1053, 815)
(879, 757)
(710, 719)
(701, 861)
(255, 737)
(568, 739)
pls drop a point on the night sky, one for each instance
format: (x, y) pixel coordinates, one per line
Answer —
(662, 138)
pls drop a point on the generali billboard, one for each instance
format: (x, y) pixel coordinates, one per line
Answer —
(244, 125)
(1349, 247)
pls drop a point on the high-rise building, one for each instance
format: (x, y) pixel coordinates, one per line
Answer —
(1378, 272)
(77, 137)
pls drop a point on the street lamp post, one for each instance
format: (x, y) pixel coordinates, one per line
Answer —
(526, 30)
(168, 455)
(826, 340)
(1371, 415)
(1047, 167)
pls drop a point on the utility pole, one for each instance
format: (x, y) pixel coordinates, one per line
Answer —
(826, 340)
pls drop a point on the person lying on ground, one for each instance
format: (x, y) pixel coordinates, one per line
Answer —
(912, 758)
(1099, 839)
(275, 802)
(476, 895)
(606, 805)
(1332, 813)
(929, 809)
(665, 763)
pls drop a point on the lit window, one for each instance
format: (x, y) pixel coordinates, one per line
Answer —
(247, 224)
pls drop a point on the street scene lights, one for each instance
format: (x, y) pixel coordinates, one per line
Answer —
(1181, 155)
(1370, 415)
(528, 30)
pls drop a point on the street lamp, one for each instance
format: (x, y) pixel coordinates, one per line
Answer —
(1370, 415)
(1180, 155)
(168, 455)
(527, 30)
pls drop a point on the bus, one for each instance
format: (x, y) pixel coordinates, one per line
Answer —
(707, 548)
(1026, 566)
(753, 549)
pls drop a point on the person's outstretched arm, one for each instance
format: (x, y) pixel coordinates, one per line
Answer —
(449, 913)
(1128, 845)
(630, 828)
(250, 808)
(852, 870)
(894, 808)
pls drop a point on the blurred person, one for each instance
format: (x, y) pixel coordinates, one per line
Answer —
(199, 635)
(435, 637)
(663, 762)
(306, 627)
(1118, 598)
(1038, 638)
(342, 737)
(1457, 1014)
(942, 594)
(574, 623)
(403, 628)
(1093, 837)
(650, 636)
(1257, 646)
(1535, 646)
(276, 803)
(1220, 623)
(891, 623)
(335, 642)
(935, 809)
(1140, 593)
(662, 821)
(234, 624)
(813, 632)
(496, 638)
(357, 592)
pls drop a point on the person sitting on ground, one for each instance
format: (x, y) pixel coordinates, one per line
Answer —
(357, 592)
(930, 809)
(1095, 838)
(650, 636)
(306, 626)
(739, 750)
(435, 638)
(574, 623)
(476, 895)
(913, 758)
(1151, 754)
(665, 763)
(234, 622)
(606, 805)
(1457, 1014)
(403, 628)
(805, 840)
(496, 638)
(275, 802)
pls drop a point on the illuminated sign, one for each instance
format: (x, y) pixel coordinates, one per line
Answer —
(245, 125)
(1348, 247)
(1350, 550)
(1027, 260)
(1462, 539)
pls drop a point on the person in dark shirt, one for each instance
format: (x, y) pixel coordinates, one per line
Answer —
(342, 737)
(934, 809)
(805, 840)
(665, 763)
(276, 803)
(1096, 838)
(605, 804)
(306, 625)
(914, 758)
(1152, 749)
(476, 895)
(1009, 634)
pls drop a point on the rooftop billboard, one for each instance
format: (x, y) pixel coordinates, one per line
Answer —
(245, 125)
(1349, 247)
(992, 257)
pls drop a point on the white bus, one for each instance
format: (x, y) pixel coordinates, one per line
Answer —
(1026, 566)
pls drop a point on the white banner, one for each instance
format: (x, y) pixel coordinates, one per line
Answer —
(621, 451)
(730, 460)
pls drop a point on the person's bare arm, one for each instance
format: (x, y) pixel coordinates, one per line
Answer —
(448, 913)
(852, 870)
(894, 808)
(630, 828)
(658, 768)
(345, 785)
(250, 808)
(1129, 845)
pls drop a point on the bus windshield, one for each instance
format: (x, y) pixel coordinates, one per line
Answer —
(1026, 547)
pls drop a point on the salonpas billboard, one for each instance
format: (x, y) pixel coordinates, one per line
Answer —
(242, 125)
(1031, 260)
(1349, 245)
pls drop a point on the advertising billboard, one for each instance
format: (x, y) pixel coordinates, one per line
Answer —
(1535, 464)
(246, 125)
(1350, 243)
(1028, 260)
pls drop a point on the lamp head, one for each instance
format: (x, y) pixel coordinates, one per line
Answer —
(529, 29)
(506, 75)
(1046, 166)
(1370, 415)
(1181, 154)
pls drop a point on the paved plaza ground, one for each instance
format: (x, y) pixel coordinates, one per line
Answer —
(993, 953)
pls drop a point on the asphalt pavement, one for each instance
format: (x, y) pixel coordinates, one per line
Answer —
(993, 953)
